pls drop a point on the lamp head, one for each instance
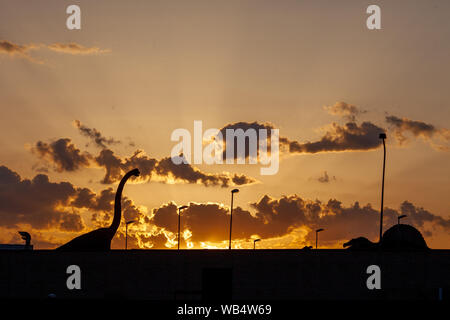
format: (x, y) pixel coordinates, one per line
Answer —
(182, 207)
(256, 240)
(318, 230)
(131, 221)
(382, 136)
(235, 191)
(402, 216)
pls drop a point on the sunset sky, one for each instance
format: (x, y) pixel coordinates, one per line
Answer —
(78, 105)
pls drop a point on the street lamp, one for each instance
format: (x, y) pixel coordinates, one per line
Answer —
(401, 217)
(382, 136)
(254, 243)
(126, 232)
(317, 235)
(231, 214)
(179, 217)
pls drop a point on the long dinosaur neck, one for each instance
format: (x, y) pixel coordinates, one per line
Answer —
(117, 205)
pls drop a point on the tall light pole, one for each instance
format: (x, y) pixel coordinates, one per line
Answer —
(231, 214)
(317, 235)
(126, 232)
(254, 243)
(382, 137)
(179, 218)
(401, 217)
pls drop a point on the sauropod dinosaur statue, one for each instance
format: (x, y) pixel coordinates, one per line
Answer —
(100, 239)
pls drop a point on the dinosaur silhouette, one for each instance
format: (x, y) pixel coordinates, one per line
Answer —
(401, 237)
(100, 239)
(360, 243)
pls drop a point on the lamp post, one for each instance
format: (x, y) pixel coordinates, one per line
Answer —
(401, 217)
(231, 214)
(126, 232)
(179, 218)
(254, 243)
(317, 235)
(382, 136)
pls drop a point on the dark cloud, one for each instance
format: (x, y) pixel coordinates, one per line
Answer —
(245, 126)
(207, 221)
(278, 217)
(37, 202)
(340, 222)
(187, 173)
(163, 169)
(45, 205)
(95, 135)
(345, 110)
(350, 137)
(63, 154)
(417, 129)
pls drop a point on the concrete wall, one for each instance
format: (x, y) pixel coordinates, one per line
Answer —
(221, 274)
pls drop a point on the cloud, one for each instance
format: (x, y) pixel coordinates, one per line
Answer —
(46, 205)
(49, 205)
(350, 137)
(75, 49)
(206, 221)
(95, 135)
(187, 173)
(23, 51)
(275, 218)
(37, 202)
(337, 138)
(163, 169)
(401, 126)
(325, 178)
(245, 126)
(340, 222)
(63, 154)
(345, 110)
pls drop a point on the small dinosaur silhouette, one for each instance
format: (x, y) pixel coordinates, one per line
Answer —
(360, 243)
(100, 239)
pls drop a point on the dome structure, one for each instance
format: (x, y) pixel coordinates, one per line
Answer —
(403, 237)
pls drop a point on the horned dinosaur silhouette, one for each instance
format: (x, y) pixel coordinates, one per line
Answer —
(100, 239)
(401, 237)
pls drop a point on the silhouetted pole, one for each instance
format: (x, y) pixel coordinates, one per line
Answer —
(126, 232)
(231, 214)
(383, 137)
(179, 219)
(254, 243)
(317, 235)
(401, 217)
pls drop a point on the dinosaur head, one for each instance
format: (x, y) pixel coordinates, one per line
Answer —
(134, 172)
(349, 243)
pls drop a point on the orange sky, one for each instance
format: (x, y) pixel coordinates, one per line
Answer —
(137, 71)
